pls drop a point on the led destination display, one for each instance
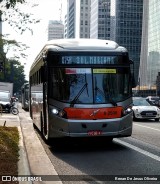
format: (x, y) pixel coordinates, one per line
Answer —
(79, 60)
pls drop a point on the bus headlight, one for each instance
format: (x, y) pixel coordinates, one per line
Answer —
(58, 112)
(126, 111)
(54, 111)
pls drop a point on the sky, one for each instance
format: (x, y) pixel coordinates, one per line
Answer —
(46, 10)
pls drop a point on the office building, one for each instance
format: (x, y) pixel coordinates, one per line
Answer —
(150, 52)
(65, 26)
(55, 30)
(144, 47)
(100, 23)
(153, 61)
(78, 19)
(128, 17)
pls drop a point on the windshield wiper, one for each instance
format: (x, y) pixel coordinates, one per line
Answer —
(79, 93)
(112, 101)
(110, 98)
(104, 94)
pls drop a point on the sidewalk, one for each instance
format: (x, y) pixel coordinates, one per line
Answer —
(33, 158)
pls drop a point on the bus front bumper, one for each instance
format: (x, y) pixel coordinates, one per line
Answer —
(120, 127)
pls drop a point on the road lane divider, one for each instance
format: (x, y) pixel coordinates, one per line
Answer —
(146, 153)
(147, 127)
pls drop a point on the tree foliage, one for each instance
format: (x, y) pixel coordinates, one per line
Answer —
(8, 45)
(11, 3)
(13, 70)
(14, 73)
(19, 19)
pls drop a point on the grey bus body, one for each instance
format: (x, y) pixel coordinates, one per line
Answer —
(25, 96)
(81, 88)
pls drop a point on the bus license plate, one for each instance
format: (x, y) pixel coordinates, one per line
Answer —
(94, 132)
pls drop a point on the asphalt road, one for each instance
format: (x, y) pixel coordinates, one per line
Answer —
(135, 159)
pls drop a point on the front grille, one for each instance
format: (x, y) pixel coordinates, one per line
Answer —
(148, 113)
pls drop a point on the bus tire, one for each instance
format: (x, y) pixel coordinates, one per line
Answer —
(45, 128)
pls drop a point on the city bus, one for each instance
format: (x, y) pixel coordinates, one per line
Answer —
(25, 96)
(84, 89)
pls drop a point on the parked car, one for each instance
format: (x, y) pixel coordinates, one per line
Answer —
(5, 101)
(144, 110)
(153, 100)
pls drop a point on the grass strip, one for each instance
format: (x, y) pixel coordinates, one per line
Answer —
(9, 150)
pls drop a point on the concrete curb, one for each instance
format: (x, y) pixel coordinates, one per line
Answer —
(23, 165)
(38, 162)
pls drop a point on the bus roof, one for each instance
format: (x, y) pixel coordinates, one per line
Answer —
(83, 44)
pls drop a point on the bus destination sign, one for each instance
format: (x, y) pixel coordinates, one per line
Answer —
(80, 60)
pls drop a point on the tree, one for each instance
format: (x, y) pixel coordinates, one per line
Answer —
(21, 21)
(13, 70)
(11, 3)
(14, 73)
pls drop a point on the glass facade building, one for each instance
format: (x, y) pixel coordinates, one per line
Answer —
(128, 19)
(55, 30)
(100, 19)
(153, 61)
(78, 19)
(144, 46)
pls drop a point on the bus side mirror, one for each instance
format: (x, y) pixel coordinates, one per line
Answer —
(22, 90)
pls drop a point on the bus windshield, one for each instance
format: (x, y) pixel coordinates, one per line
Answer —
(89, 85)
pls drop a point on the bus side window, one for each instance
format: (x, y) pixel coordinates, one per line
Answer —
(42, 74)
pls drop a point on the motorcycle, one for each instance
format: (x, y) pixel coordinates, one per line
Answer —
(10, 108)
(14, 109)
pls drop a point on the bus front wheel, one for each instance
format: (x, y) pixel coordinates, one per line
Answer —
(44, 127)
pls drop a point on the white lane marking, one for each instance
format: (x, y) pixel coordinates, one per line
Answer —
(147, 127)
(148, 154)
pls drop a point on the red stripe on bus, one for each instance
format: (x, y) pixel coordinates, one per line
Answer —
(93, 113)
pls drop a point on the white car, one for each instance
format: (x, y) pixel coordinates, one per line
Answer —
(143, 110)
